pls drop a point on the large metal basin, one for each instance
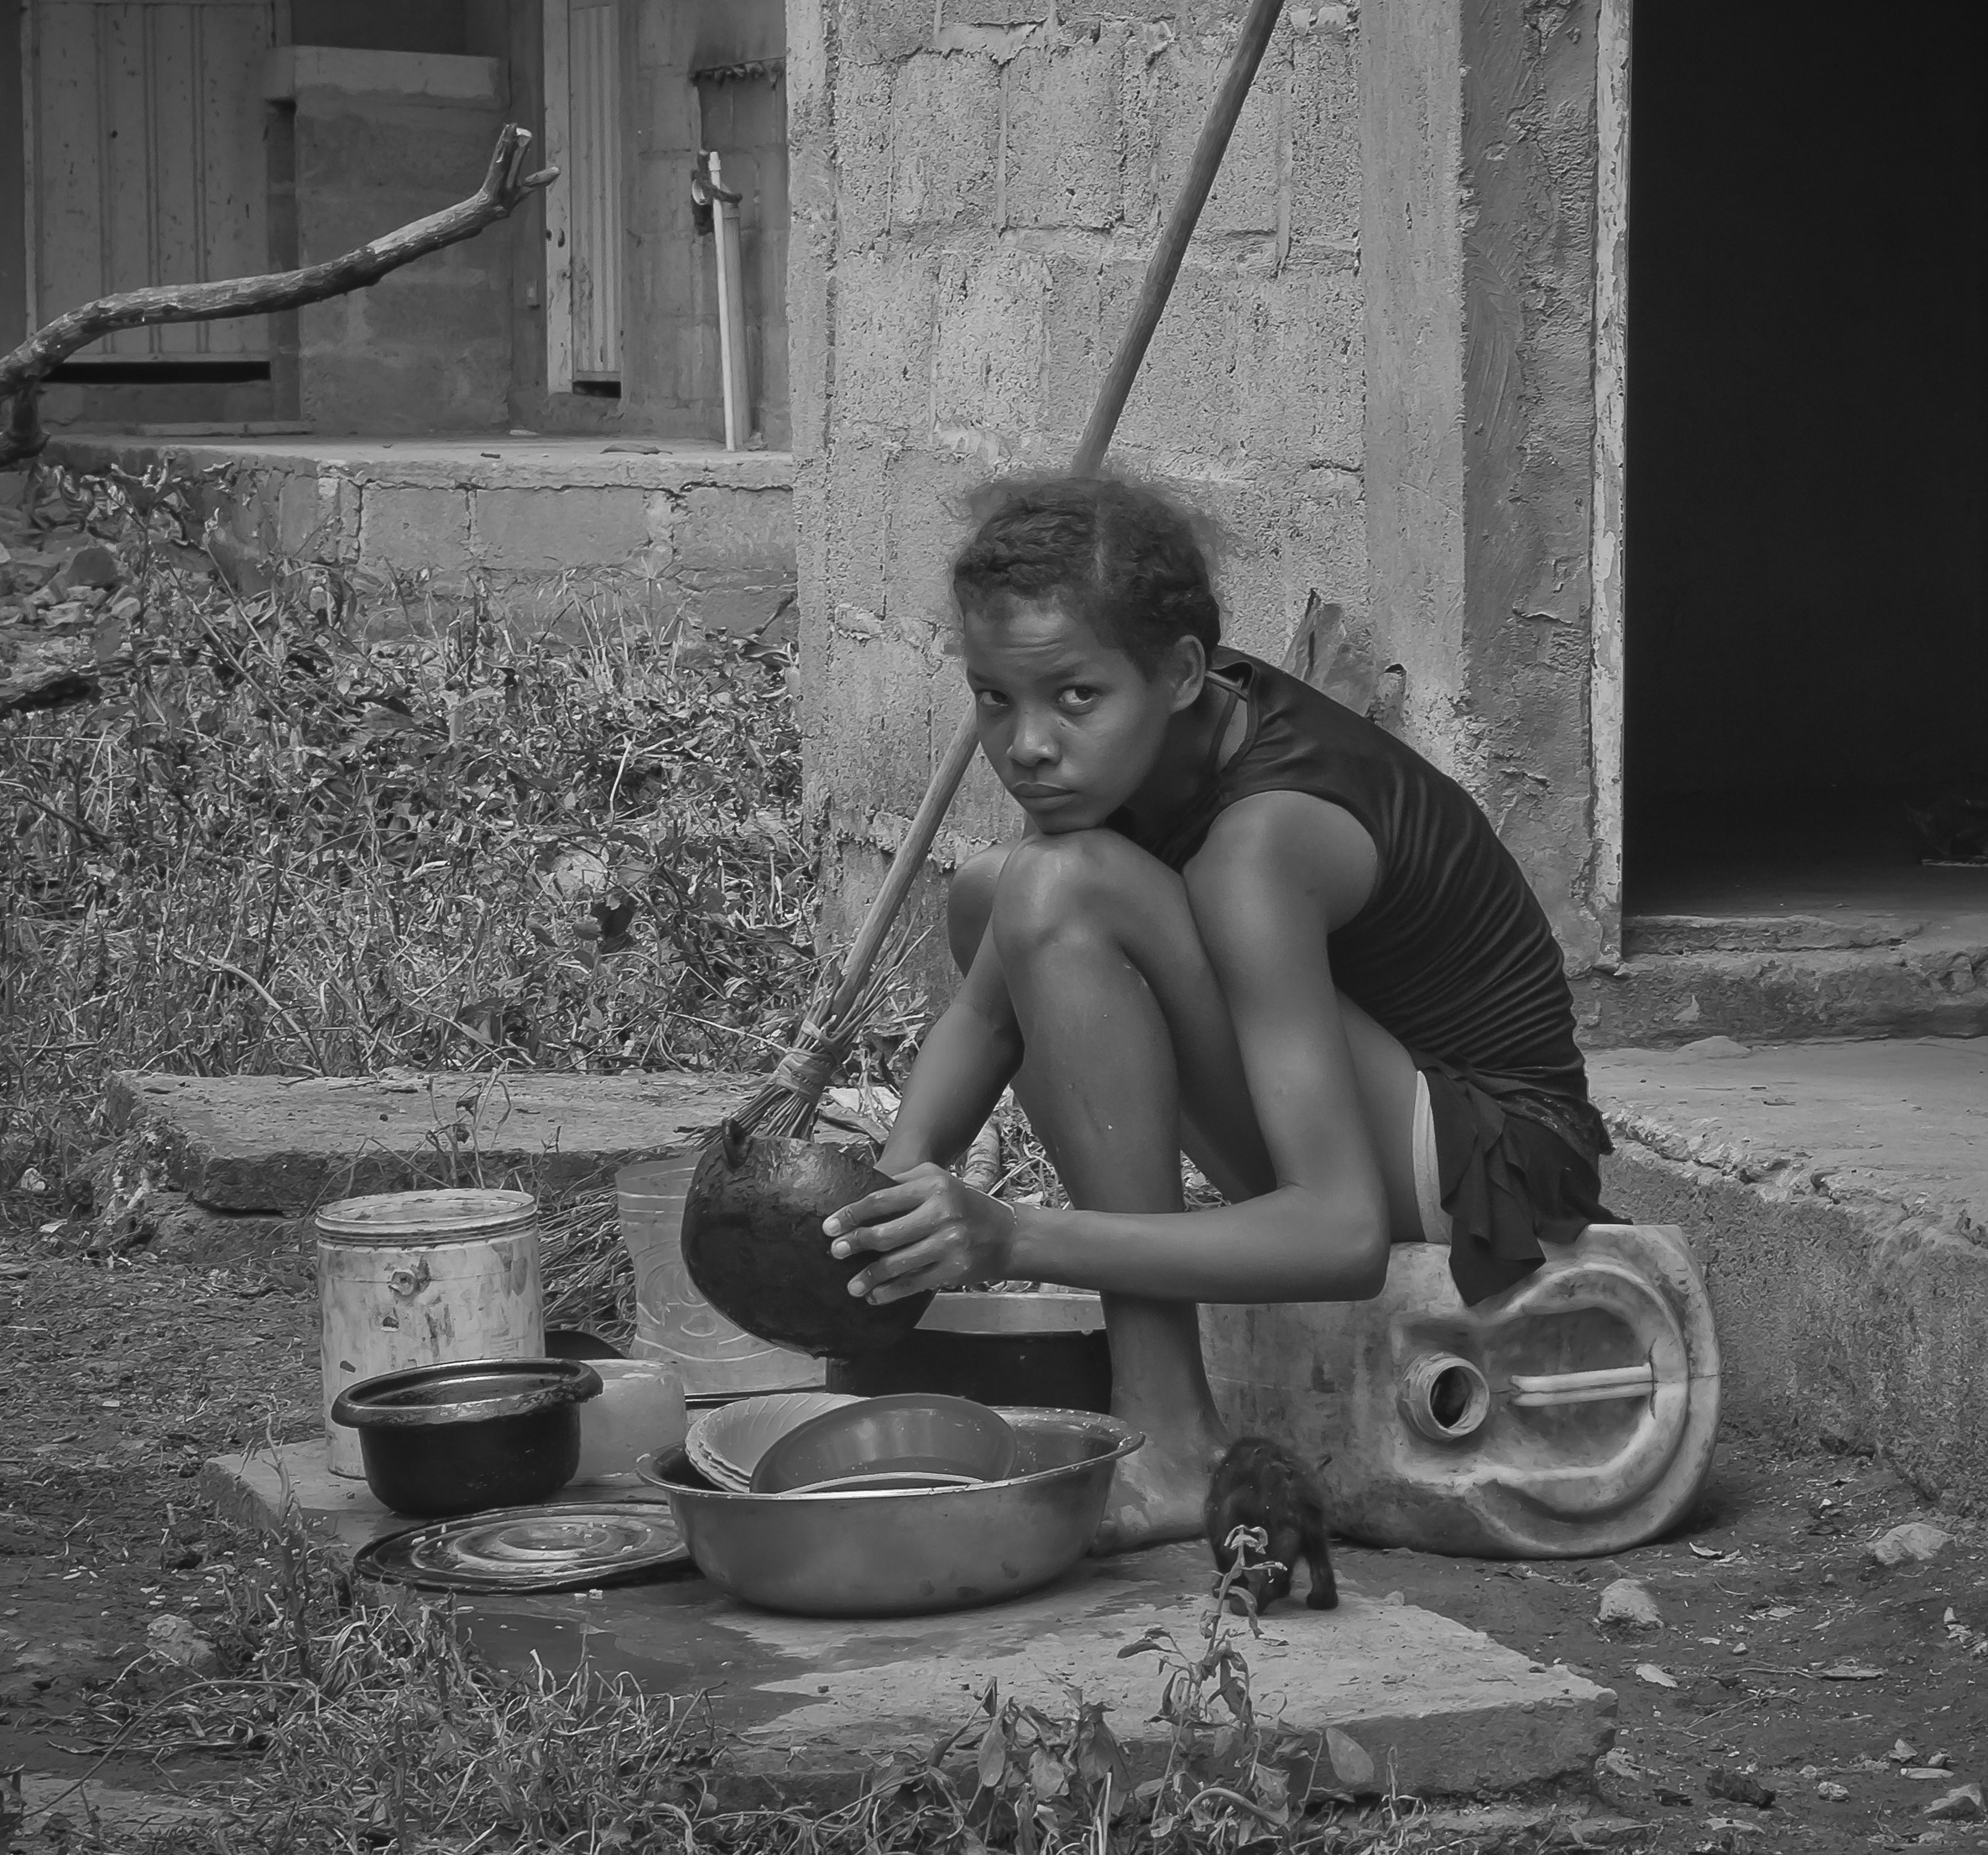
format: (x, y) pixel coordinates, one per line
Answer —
(903, 1552)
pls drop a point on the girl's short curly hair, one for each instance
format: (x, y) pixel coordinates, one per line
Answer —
(1124, 558)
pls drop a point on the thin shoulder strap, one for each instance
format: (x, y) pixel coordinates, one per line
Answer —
(1221, 733)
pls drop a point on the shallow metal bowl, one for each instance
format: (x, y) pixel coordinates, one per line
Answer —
(913, 1431)
(903, 1552)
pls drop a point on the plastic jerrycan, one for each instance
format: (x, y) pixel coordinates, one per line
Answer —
(1571, 1414)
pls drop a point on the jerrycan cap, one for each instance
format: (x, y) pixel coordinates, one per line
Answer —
(1445, 1397)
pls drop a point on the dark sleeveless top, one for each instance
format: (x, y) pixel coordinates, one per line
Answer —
(1451, 954)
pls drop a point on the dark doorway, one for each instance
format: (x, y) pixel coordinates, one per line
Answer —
(1807, 643)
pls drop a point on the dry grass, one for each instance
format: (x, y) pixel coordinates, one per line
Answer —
(278, 845)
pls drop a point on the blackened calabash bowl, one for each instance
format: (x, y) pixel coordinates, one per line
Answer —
(754, 1244)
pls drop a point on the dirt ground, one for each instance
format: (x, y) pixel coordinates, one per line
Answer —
(119, 1383)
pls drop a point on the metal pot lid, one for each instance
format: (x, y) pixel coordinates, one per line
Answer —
(425, 1216)
(555, 1546)
(464, 1391)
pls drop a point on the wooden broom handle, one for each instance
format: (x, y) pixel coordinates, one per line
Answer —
(1160, 270)
(1164, 265)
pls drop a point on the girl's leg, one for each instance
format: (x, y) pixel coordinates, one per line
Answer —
(1130, 1054)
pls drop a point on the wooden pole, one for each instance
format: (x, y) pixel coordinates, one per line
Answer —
(731, 312)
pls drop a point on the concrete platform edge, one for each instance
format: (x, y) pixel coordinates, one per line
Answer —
(1849, 1318)
(1540, 1745)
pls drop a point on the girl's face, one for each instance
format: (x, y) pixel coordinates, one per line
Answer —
(1070, 723)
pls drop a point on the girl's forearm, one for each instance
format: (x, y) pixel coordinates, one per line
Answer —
(962, 1066)
(1289, 1245)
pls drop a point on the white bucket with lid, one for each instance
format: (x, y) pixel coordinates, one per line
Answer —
(673, 1321)
(424, 1278)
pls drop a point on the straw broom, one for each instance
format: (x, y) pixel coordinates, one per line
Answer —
(852, 991)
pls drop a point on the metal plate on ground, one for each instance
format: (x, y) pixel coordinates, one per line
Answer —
(569, 1546)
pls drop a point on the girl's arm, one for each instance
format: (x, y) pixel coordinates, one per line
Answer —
(966, 1059)
(1277, 874)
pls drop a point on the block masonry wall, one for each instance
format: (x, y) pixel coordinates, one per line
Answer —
(976, 188)
(1375, 372)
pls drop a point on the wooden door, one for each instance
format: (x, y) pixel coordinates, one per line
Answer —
(146, 161)
(583, 212)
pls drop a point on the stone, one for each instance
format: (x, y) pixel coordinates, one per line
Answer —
(92, 565)
(1714, 1050)
(1916, 1542)
(38, 671)
(1617, 1765)
(1627, 1604)
(1960, 1805)
(1739, 1787)
(176, 1640)
(1831, 1792)
(809, 1705)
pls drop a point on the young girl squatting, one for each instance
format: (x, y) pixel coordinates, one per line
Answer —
(1244, 923)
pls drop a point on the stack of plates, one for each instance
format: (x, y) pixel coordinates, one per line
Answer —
(725, 1445)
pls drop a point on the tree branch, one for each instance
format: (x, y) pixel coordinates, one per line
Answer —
(21, 371)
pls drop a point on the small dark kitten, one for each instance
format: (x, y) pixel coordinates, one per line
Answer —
(1262, 1484)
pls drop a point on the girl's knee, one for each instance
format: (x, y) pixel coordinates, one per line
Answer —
(1049, 884)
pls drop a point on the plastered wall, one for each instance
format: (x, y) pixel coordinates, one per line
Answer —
(1375, 370)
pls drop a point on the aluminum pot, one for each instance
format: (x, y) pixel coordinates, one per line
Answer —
(892, 1552)
(436, 1440)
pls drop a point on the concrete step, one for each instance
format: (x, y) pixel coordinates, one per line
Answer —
(1897, 984)
(1781, 938)
(1836, 1194)
(809, 1705)
(272, 1143)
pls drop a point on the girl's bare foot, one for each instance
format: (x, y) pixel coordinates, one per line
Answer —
(1157, 1493)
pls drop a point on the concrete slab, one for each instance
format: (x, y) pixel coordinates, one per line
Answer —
(809, 1704)
(278, 1143)
(1837, 1196)
(472, 460)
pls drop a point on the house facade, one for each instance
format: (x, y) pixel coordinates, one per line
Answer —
(1622, 488)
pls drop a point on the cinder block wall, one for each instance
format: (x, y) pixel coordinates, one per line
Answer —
(1378, 368)
(976, 188)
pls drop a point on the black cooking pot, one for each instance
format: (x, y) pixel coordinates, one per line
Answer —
(477, 1433)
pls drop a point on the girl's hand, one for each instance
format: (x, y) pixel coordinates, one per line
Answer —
(929, 1231)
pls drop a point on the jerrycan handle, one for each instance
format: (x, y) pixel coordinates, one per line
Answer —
(1662, 1378)
(1534, 1391)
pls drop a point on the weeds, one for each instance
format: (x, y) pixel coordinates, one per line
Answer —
(364, 1725)
(279, 845)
